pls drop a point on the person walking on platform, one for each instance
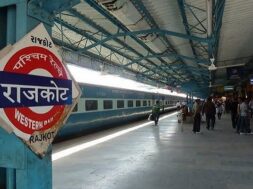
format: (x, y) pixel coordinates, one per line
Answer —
(227, 105)
(243, 122)
(209, 110)
(197, 116)
(233, 111)
(178, 105)
(156, 112)
(251, 107)
(219, 109)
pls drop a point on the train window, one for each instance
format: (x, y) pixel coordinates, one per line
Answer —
(138, 103)
(107, 104)
(75, 108)
(144, 103)
(91, 105)
(149, 103)
(130, 103)
(120, 104)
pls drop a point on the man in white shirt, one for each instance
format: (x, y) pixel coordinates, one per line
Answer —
(243, 124)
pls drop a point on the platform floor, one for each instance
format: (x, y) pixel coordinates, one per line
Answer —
(160, 158)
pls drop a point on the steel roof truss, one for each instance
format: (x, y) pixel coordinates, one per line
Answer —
(165, 55)
(200, 22)
(190, 29)
(63, 36)
(101, 10)
(142, 9)
(149, 31)
(106, 33)
(62, 43)
(218, 11)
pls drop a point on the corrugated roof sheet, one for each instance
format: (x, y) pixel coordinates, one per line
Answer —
(236, 33)
(168, 16)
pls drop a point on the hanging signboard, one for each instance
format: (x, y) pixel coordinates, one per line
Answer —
(37, 92)
(235, 72)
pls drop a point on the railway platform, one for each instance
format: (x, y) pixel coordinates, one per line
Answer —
(157, 157)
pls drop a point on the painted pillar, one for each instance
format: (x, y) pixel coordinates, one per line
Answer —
(20, 168)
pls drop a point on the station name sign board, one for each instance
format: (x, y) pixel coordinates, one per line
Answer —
(37, 93)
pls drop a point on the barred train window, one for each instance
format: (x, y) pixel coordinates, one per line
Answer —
(120, 104)
(107, 104)
(130, 103)
(144, 103)
(91, 105)
(138, 103)
(149, 104)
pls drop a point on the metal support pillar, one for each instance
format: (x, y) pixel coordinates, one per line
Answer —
(20, 168)
(21, 19)
(10, 175)
(11, 24)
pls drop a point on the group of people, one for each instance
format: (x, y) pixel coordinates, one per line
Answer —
(208, 108)
(240, 109)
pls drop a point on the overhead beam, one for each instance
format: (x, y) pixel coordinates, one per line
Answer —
(144, 11)
(150, 20)
(149, 31)
(166, 55)
(68, 46)
(182, 5)
(218, 11)
(186, 24)
(81, 32)
(213, 48)
(106, 33)
(122, 27)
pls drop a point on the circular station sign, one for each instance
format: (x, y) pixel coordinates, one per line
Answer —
(25, 118)
(36, 91)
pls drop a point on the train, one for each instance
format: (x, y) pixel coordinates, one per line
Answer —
(101, 107)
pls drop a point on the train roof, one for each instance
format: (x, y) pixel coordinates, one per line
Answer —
(85, 76)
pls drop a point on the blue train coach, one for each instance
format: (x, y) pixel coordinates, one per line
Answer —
(102, 107)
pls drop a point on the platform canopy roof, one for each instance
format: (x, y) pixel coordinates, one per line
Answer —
(169, 42)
